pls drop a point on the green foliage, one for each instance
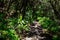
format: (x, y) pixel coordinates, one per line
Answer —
(48, 24)
(44, 21)
(22, 25)
(6, 28)
(55, 37)
(8, 35)
(12, 11)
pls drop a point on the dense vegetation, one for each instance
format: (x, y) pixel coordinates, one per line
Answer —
(17, 15)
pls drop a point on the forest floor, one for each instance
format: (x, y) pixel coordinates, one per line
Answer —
(35, 33)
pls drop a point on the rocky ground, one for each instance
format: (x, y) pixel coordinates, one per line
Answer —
(36, 32)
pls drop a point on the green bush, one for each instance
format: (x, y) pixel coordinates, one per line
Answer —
(48, 24)
(8, 35)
